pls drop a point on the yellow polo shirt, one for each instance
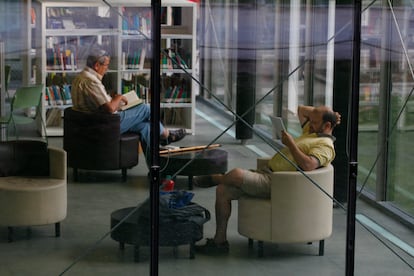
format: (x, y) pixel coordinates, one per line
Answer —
(319, 146)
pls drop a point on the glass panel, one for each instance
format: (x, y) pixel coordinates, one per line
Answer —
(399, 190)
(370, 56)
(279, 54)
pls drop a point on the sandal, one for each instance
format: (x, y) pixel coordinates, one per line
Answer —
(212, 248)
(174, 136)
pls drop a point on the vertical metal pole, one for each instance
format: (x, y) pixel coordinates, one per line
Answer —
(309, 53)
(2, 89)
(155, 130)
(246, 67)
(384, 104)
(353, 163)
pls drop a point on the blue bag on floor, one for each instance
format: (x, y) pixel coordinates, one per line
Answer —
(175, 199)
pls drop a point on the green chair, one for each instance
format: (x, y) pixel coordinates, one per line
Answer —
(25, 98)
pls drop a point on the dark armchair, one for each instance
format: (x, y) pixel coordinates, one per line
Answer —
(93, 142)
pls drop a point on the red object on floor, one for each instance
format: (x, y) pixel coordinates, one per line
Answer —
(167, 184)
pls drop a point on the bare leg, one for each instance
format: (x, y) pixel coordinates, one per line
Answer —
(228, 189)
(224, 196)
(223, 211)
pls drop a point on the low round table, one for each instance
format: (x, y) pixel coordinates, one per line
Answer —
(138, 233)
(210, 161)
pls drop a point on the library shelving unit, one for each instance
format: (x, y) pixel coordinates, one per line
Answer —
(70, 29)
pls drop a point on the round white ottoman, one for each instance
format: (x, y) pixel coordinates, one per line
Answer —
(29, 201)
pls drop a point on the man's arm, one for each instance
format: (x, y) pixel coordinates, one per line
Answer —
(114, 104)
(304, 112)
(305, 162)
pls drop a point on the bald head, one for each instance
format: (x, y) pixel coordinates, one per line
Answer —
(328, 115)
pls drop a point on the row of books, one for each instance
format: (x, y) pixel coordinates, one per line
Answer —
(172, 60)
(173, 116)
(61, 59)
(173, 94)
(61, 95)
(176, 94)
(58, 95)
(136, 60)
(137, 24)
(133, 60)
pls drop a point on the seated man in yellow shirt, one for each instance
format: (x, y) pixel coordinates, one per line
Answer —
(313, 149)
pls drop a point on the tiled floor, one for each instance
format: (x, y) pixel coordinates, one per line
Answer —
(85, 247)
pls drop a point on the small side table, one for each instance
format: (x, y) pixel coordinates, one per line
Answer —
(209, 161)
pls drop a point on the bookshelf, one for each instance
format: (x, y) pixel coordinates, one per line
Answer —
(70, 28)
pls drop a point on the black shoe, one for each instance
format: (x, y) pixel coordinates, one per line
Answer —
(174, 136)
(212, 248)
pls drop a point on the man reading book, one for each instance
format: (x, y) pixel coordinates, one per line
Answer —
(90, 95)
(313, 149)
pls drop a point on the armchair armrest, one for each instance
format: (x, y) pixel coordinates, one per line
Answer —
(57, 163)
(262, 162)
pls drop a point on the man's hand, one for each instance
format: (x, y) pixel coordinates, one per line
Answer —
(287, 139)
(338, 118)
(115, 103)
(124, 100)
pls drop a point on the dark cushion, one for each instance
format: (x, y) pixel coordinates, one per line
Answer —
(24, 158)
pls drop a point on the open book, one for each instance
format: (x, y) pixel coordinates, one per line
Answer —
(132, 98)
(278, 126)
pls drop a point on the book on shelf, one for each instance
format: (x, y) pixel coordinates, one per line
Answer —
(132, 99)
(57, 96)
(180, 61)
(169, 92)
(66, 94)
(143, 92)
(142, 58)
(145, 27)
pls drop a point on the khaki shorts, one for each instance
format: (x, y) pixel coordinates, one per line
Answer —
(255, 183)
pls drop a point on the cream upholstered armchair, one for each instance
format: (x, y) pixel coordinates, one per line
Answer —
(32, 185)
(297, 210)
